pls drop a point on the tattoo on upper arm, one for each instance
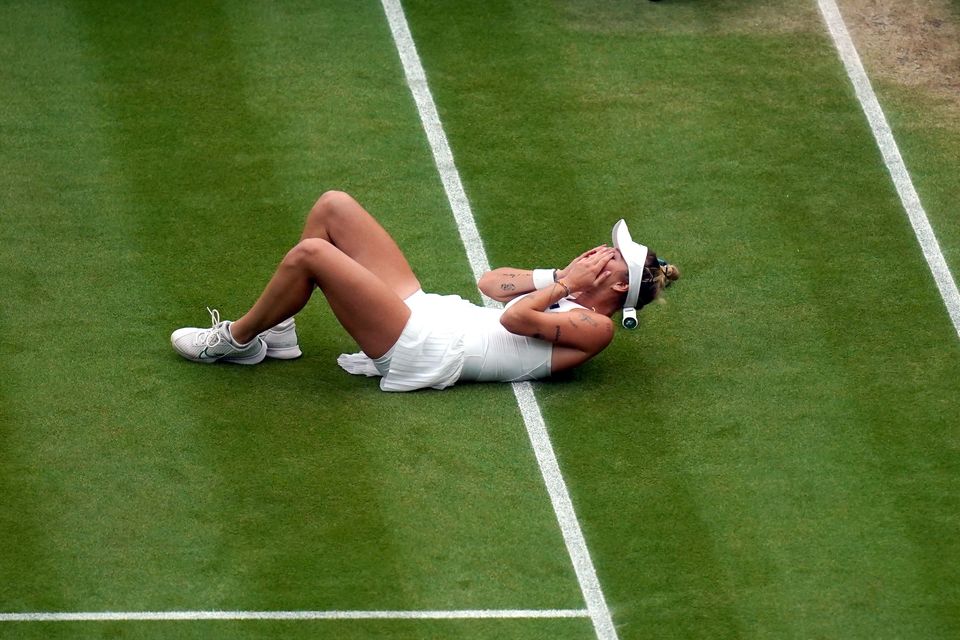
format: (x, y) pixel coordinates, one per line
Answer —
(506, 286)
(586, 318)
(556, 338)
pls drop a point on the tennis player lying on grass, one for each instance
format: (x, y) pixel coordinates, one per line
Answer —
(554, 319)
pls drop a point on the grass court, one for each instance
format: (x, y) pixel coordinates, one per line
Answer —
(774, 453)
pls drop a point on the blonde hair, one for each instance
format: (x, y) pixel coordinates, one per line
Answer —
(657, 276)
(665, 275)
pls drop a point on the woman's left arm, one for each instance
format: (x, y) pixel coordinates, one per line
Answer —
(582, 330)
(585, 332)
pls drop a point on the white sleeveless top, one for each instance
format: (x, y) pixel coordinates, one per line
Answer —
(491, 353)
(449, 339)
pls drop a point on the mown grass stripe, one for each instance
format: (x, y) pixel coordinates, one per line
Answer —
(892, 158)
(443, 156)
(530, 410)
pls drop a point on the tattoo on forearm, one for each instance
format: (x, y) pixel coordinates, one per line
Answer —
(508, 287)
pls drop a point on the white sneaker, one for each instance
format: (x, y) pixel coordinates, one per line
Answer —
(282, 342)
(216, 344)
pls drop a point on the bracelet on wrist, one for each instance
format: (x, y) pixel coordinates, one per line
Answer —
(566, 289)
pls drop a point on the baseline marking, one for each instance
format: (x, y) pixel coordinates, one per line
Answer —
(465, 614)
(892, 158)
(476, 254)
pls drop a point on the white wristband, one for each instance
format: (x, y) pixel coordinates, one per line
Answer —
(543, 278)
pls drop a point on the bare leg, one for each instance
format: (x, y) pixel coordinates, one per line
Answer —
(371, 312)
(339, 219)
(341, 243)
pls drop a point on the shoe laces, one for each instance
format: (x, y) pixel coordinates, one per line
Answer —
(210, 337)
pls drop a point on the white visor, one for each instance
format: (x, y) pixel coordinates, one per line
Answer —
(635, 255)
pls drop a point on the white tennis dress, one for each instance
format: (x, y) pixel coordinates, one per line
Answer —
(448, 339)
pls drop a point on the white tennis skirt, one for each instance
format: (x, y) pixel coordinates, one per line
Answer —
(429, 352)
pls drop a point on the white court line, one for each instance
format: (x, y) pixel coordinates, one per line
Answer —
(893, 160)
(125, 616)
(530, 410)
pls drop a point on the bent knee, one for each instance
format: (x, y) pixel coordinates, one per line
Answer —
(307, 252)
(329, 206)
(332, 201)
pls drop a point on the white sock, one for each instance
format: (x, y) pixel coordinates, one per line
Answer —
(231, 339)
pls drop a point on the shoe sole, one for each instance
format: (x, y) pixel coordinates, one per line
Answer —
(256, 358)
(284, 353)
